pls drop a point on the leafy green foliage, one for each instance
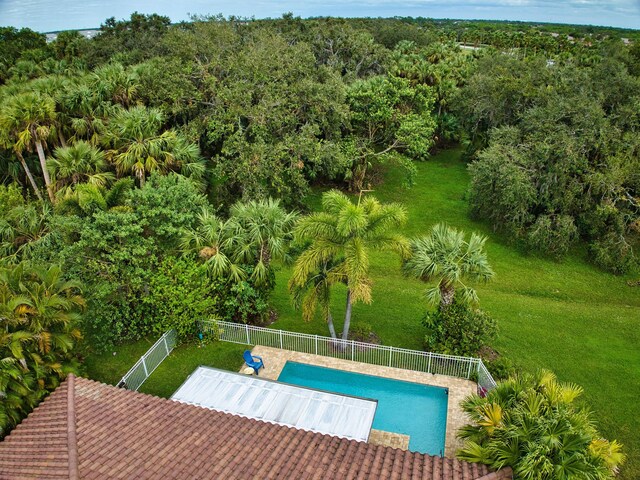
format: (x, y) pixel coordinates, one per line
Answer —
(40, 314)
(532, 424)
(556, 162)
(117, 252)
(459, 329)
(388, 114)
(180, 295)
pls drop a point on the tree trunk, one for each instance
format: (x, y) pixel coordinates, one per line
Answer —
(63, 142)
(446, 295)
(347, 317)
(27, 170)
(45, 172)
(332, 329)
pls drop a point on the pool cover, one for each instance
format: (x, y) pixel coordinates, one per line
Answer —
(300, 407)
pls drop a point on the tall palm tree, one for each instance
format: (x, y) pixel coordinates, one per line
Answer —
(138, 147)
(28, 120)
(342, 235)
(79, 163)
(532, 424)
(445, 256)
(314, 292)
(6, 142)
(266, 229)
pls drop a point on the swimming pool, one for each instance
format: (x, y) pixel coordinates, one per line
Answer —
(413, 409)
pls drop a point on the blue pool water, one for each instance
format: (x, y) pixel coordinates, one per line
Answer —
(419, 411)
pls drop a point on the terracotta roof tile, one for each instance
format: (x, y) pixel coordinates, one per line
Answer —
(89, 430)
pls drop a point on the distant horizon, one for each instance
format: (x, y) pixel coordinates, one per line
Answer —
(58, 15)
(188, 20)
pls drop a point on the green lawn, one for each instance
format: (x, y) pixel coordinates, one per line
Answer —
(569, 317)
(170, 374)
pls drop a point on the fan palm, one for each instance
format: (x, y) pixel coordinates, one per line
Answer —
(266, 229)
(27, 120)
(79, 163)
(216, 242)
(139, 148)
(445, 256)
(342, 235)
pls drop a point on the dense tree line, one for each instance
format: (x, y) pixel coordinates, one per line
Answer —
(555, 154)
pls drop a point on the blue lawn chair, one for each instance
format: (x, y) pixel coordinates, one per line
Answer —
(253, 361)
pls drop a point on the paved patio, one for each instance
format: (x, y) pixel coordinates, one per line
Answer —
(275, 359)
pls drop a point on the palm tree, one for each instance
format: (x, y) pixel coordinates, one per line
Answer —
(40, 312)
(314, 292)
(6, 142)
(340, 238)
(266, 229)
(79, 163)
(139, 148)
(216, 242)
(21, 226)
(531, 424)
(444, 255)
(28, 120)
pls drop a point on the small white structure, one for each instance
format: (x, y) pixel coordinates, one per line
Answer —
(275, 402)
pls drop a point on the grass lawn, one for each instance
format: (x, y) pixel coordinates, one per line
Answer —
(569, 317)
(171, 373)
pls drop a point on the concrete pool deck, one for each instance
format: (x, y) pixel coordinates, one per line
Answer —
(275, 359)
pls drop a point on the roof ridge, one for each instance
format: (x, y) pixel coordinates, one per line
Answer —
(72, 440)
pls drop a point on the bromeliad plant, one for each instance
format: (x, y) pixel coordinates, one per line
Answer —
(532, 424)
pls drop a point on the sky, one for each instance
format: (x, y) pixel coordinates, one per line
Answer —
(50, 15)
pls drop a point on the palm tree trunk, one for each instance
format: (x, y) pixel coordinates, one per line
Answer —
(45, 172)
(27, 170)
(332, 329)
(447, 293)
(61, 138)
(347, 317)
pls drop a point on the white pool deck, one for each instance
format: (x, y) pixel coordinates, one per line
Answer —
(270, 401)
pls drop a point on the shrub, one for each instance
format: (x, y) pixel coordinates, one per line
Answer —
(362, 332)
(532, 424)
(244, 303)
(552, 234)
(459, 329)
(500, 368)
(180, 294)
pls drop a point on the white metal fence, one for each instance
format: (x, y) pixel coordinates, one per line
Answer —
(436, 363)
(153, 357)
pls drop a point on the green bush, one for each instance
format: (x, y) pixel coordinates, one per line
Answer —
(363, 332)
(180, 294)
(500, 368)
(458, 329)
(533, 424)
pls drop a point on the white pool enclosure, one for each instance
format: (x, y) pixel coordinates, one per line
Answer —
(275, 402)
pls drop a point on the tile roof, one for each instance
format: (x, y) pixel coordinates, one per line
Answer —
(90, 430)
